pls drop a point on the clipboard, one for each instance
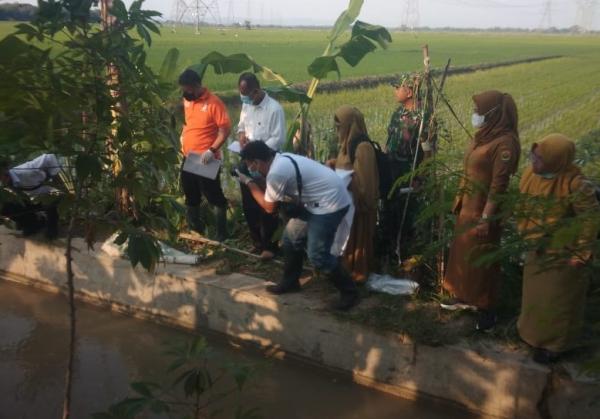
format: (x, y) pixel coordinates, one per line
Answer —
(193, 164)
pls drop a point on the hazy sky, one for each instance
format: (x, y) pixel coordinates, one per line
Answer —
(434, 13)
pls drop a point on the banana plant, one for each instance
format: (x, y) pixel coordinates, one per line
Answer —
(237, 63)
(364, 38)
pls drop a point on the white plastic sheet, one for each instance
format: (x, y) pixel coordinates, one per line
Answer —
(390, 285)
(169, 255)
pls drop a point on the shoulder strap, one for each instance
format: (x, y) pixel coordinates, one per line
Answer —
(354, 145)
(298, 176)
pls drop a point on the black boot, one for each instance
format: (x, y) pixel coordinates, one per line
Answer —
(221, 217)
(544, 356)
(51, 222)
(292, 269)
(194, 219)
(348, 291)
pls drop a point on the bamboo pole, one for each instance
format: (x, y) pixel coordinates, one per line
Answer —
(214, 243)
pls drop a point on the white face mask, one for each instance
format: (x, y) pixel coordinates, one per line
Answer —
(477, 120)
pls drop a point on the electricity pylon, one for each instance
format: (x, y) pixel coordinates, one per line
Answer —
(197, 11)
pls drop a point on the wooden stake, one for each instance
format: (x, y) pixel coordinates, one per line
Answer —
(214, 243)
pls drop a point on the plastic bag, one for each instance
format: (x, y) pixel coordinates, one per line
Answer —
(169, 255)
(390, 285)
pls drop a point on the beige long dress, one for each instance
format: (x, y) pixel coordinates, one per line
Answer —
(554, 293)
(359, 253)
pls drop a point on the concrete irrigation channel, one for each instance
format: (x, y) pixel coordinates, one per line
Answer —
(480, 376)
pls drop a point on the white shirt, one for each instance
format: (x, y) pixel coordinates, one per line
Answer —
(33, 173)
(264, 122)
(323, 191)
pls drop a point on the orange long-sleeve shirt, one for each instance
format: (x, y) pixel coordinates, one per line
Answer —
(203, 119)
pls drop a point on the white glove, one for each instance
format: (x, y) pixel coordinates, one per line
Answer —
(426, 146)
(243, 178)
(207, 157)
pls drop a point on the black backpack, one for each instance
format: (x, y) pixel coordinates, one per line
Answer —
(383, 164)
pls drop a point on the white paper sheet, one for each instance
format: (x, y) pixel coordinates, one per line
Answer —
(193, 164)
(234, 147)
(345, 175)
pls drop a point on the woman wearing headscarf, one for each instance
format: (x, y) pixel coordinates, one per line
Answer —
(491, 159)
(357, 153)
(555, 283)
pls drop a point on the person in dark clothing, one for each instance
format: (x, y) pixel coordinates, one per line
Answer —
(261, 119)
(206, 128)
(26, 183)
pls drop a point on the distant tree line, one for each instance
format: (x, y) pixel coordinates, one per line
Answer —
(570, 30)
(26, 12)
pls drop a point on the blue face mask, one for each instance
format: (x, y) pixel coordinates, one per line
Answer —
(254, 174)
(246, 100)
(548, 175)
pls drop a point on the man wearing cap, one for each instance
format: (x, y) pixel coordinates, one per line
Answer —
(403, 147)
(206, 128)
(262, 119)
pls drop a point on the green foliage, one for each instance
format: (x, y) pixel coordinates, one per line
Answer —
(114, 132)
(364, 39)
(193, 375)
(345, 19)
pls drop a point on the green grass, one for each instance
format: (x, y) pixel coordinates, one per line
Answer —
(559, 95)
(289, 51)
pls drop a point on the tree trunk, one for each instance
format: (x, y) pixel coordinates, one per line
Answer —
(122, 197)
(71, 297)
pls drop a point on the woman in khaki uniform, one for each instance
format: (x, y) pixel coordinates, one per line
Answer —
(356, 153)
(491, 159)
(555, 283)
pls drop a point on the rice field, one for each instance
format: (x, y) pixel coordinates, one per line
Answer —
(560, 94)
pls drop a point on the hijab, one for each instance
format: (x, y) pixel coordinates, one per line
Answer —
(501, 117)
(557, 153)
(350, 126)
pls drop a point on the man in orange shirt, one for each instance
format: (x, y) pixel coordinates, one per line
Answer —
(206, 128)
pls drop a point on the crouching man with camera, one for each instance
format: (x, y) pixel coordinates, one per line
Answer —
(315, 200)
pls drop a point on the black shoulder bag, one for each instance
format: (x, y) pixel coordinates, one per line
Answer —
(295, 208)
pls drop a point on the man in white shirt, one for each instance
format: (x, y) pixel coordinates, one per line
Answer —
(323, 201)
(31, 179)
(262, 119)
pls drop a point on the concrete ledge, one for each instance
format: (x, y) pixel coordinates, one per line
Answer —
(480, 377)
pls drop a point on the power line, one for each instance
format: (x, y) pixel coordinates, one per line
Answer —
(197, 11)
(586, 9)
(496, 4)
(546, 21)
(411, 16)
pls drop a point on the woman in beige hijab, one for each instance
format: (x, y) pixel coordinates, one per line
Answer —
(554, 280)
(491, 159)
(356, 153)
